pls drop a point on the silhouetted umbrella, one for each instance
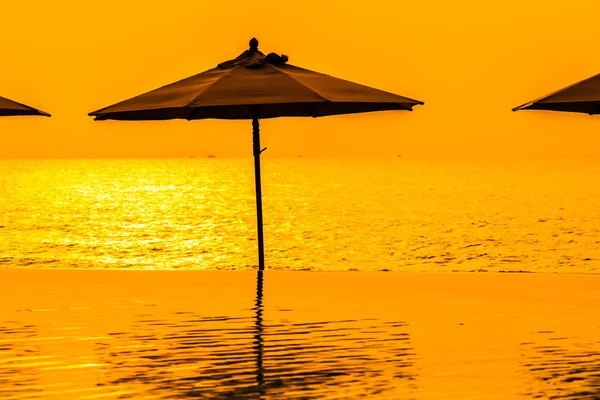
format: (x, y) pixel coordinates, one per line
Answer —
(254, 86)
(11, 108)
(581, 97)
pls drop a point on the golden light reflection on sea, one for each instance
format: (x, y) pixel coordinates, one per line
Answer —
(320, 214)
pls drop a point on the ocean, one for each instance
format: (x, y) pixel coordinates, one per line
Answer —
(320, 214)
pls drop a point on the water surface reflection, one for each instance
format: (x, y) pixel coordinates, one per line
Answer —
(19, 360)
(563, 367)
(250, 357)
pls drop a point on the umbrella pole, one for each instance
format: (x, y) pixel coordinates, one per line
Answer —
(259, 219)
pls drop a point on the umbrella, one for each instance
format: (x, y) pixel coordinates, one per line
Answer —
(10, 108)
(581, 97)
(255, 86)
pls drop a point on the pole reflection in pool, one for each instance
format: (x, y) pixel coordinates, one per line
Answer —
(259, 331)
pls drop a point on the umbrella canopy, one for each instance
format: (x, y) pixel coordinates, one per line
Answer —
(11, 108)
(255, 86)
(581, 97)
(280, 89)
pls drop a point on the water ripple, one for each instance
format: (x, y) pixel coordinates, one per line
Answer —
(562, 367)
(248, 358)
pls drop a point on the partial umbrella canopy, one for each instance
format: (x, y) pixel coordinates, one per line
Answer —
(581, 97)
(12, 108)
(255, 86)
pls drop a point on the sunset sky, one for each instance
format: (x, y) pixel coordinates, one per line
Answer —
(469, 61)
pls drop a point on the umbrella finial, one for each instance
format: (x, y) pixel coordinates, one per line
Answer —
(253, 44)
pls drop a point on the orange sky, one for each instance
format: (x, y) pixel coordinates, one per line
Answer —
(470, 61)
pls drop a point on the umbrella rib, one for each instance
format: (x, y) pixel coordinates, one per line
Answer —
(408, 99)
(325, 99)
(209, 86)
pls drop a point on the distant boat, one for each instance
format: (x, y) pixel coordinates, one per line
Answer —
(211, 156)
